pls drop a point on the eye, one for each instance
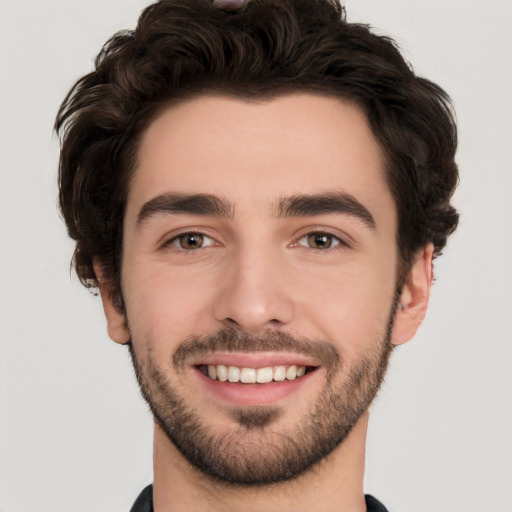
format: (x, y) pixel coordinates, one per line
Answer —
(320, 241)
(190, 241)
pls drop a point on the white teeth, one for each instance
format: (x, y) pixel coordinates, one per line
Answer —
(233, 374)
(212, 372)
(248, 375)
(264, 375)
(222, 373)
(291, 373)
(280, 373)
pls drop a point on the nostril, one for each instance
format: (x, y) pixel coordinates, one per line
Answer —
(274, 323)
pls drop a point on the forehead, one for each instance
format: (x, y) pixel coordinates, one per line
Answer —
(254, 152)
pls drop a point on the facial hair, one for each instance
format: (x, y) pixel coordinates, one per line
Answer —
(259, 451)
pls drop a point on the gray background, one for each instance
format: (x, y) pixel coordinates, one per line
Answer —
(74, 434)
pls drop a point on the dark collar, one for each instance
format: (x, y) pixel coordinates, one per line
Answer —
(144, 502)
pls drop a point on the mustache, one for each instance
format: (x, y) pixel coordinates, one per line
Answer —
(230, 340)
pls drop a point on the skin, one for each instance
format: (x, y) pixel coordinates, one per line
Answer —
(257, 271)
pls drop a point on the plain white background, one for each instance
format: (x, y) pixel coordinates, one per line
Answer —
(74, 434)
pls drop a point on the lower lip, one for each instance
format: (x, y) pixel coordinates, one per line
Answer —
(240, 394)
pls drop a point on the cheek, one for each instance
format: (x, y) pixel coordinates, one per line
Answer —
(164, 302)
(351, 308)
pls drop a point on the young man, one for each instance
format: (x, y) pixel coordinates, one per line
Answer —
(259, 192)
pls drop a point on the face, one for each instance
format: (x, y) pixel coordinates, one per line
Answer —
(259, 280)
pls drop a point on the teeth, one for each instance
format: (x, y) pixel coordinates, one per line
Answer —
(248, 375)
(264, 375)
(235, 374)
(222, 372)
(212, 372)
(291, 373)
(280, 373)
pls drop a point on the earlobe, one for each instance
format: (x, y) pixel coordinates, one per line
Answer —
(413, 301)
(116, 320)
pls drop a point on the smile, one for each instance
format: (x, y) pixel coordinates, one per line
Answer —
(234, 374)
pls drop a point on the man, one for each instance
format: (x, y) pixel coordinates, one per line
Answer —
(259, 192)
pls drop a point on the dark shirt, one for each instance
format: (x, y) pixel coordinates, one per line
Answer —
(144, 502)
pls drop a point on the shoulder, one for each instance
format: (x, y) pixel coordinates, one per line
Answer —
(374, 505)
(144, 503)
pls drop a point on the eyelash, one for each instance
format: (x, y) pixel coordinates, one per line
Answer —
(335, 242)
(331, 239)
(175, 241)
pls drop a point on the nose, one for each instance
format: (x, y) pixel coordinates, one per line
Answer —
(254, 294)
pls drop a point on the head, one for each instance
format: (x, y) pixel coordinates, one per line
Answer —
(190, 82)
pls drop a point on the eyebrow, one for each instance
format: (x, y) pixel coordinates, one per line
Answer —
(325, 203)
(292, 206)
(193, 204)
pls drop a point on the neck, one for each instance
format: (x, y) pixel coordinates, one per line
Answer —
(334, 484)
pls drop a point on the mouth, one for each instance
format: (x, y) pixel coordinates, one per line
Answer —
(249, 375)
(239, 379)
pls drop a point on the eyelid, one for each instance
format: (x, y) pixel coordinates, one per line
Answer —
(342, 241)
(173, 240)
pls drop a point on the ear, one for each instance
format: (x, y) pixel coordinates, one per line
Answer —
(116, 320)
(413, 301)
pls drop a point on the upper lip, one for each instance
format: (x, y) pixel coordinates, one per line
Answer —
(255, 360)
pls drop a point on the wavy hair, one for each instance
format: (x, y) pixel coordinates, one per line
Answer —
(185, 48)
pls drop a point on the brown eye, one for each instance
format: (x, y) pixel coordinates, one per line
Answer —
(191, 241)
(320, 240)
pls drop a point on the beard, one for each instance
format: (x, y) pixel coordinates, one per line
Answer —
(260, 451)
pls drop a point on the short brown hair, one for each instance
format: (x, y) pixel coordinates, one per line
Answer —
(184, 48)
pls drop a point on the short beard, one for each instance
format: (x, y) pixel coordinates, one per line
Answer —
(255, 453)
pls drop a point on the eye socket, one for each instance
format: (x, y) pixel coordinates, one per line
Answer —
(190, 241)
(320, 241)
